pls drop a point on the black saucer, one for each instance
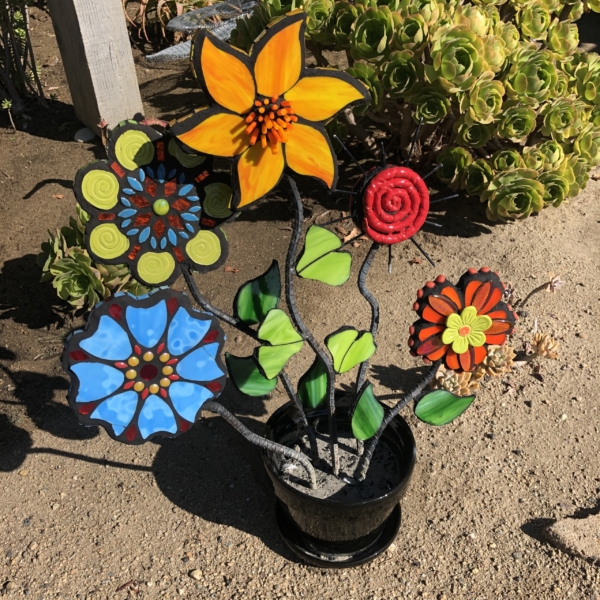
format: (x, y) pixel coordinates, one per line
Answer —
(307, 547)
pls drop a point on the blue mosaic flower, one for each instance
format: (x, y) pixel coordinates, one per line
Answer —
(144, 366)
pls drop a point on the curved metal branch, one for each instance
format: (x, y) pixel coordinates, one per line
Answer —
(365, 460)
(362, 277)
(261, 442)
(290, 272)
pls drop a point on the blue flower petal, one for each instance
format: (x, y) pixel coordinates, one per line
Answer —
(135, 184)
(172, 237)
(194, 209)
(189, 228)
(212, 349)
(125, 223)
(199, 366)
(193, 198)
(117, 410)
(110, 341)
(184, 235)
(147, 324)
(153, 243)
(128, 191)
(156, 416)
(189, 217)
(132, 231)
(187, 398)
(182, 178)
(125, 201)
(186, 189)
(150, 172)
(161, 173)
(163, 243)
(144, 235)
(142, 175)
(185, 332)
(128, 212)
(96, 380)
(172, 174)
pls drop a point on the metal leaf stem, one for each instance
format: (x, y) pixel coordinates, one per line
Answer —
(290, 273)
(261, 442)
(241, 326)
(365, 460)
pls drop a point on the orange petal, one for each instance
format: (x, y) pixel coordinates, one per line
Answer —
(470, 290)
(495, 340)
(429, 331)
(308, 153)
(438, 353)
(499, 327)
(467, 359)
(279, 56)
(482, 295)
(480, 354)
(226, 77)
(452, 293)
(443, 305)
(452, 360)
(320, 97)
(220, 134)
(493, 299)
(258, 171)
(432, 316)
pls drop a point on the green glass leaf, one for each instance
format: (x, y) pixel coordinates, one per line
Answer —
(320, 262)
(441, 407)
(272, 359)
(258, 296)
(277, 329)
(312, 387)
(348, 349)
(367, 415)
(246, 376)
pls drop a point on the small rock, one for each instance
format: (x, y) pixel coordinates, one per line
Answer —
(196, 574)
(492, 545)
(180, 591)
(238, 339)
(563, 417)
(84, 135)
(33, 546)
(517, 555)
(149, 583)
(55, 506)
(578, 537)
(10, 585)
(392, 548)
(475, 571)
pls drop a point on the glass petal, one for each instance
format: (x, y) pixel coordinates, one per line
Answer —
(277, 329)
(468, 315)
(312, 387)
(449, 335)
(147, 324)
(117, 410)
(362, 349)
(185, 332)
(333, 269)
(441, 407)
(110, 341)
(319, 241)
(273, 358)
(156, 416)
(308, 152)
(187, 398)
(257, 297)
(96, 380)
(246, 376)
(367, 415)
(319, 98)
(258, 172)
(226, 77)
(220, 134)
(348, 349)
(200, 365)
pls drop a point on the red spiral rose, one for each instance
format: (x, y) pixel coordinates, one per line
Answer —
(395, 205)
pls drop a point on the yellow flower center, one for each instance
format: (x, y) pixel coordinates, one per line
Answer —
(270, 120)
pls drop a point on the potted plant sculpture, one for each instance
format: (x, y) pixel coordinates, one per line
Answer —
(151, 365)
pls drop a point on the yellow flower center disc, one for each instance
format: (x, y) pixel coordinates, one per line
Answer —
(100, 188)
(205, 248)
(134, 149)
(218, 200)
(106, 241)
(156, 267)
(189, 161)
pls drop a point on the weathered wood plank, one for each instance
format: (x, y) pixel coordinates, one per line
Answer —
(96, 53)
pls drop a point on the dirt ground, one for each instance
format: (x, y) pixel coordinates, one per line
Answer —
(84, 517)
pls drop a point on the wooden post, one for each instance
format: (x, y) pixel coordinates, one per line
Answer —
(96, 53)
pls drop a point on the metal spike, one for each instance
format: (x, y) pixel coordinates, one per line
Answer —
(422, 251)
(390, 258)
(349, 154)
(442, 199)
(383, 160)
(433, 171)
(344, 192)
(434, 224)
(414, 141)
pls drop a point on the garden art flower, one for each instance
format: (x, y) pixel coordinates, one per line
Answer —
(153, 206)
(144, 366)
(266, 109)
(458, 323)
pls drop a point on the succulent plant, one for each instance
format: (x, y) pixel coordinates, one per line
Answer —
(575, 171)
(247, 29)
(563, 37)
(368, 75)
(270, 9)
(510, 35)
(472, 134)
(318, 14)
(556, 188)
(553, 153)
(534, 20)
(431, 104)
(514, 194)
(476, 177)
(473, 17)
(465, 383)
(516, 122)
(400, 73)
(587, 144)
(532, 77)
(499, 360)
(373, 34)
(484, 101)
(454, 161)
(533, 158)
(587, 75)
(562, 119)
(495, 53)
(412, 33)
(503, 160)
(430, 10)
(342, 23)
(545, 345)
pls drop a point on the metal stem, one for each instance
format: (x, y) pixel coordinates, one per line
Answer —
(365, 460)
(442, 199)
(414, 141)
(290, 273)
(261, 442)
(349, 154)
(433, 171)
(422, 251)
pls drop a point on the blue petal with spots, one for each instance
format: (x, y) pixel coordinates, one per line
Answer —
(189, 217)
(125, 223)
(187, 398)
(109, 341)
(125, 201)
(199, 365)
(144, 235)
(135, 184)
(185, 332)
(161, 173)
(186, 189)
(153, 243)
(117, 410)
(132, 231)
(147, 324)
(96, 380)
(172, 237)
(156, 416)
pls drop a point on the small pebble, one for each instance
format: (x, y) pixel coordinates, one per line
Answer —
(517, 555)
(196, 574)
(563, 417)
(55, 506)
(84, 135)
(149, 583)
(238, 339)
(475, 571)
(10, 585)
(392, 548)
(33, 546)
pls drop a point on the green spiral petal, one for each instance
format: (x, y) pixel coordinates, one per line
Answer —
(100, 189)
(155, 267)
(189, 161)
(106, 241)
(134, 149)
(205, 248)
(218, 200)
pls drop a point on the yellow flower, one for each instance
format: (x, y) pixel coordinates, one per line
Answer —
(266, 109)
(466, 329)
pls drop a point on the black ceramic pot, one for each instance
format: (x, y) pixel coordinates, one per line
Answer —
(335, 533)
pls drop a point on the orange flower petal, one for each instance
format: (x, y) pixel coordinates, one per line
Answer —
(470, 290)
(429, 331)
(495, 340)
(467, 360)
(480, 354)
(320, 97)
(443, 305)
(279, 56)
(220, 134)
(450, 291)
(258, 172)
(482, 295)
(452, 360)
(308, 152)
(432, 316)
(226, 77)
(438, 353)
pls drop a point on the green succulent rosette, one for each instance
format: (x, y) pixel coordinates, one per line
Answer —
(506, 159)
(564, 84)
(393, 5)
(514, 194)
(533, 158)
(412, 33)
(561, 119)
(270, 9)
(587, 75)
(563, 37)
(476, 177)
(574, 12)
(368, 75)
(342, 23)
(454, 160)
(373, 33)
(473, 17)
(553, 153)
(532, 77)
(587, 145)
(533, 19)
(575, 171)
(432, 104)
(472, 134)
(509, 34)
(247, 29)
(495, 53)
(516, 122)
(593, 5)
(484, 101)
(556, 188)
(430, 10)
(319, 13)
(595, 115)
(400, 73)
